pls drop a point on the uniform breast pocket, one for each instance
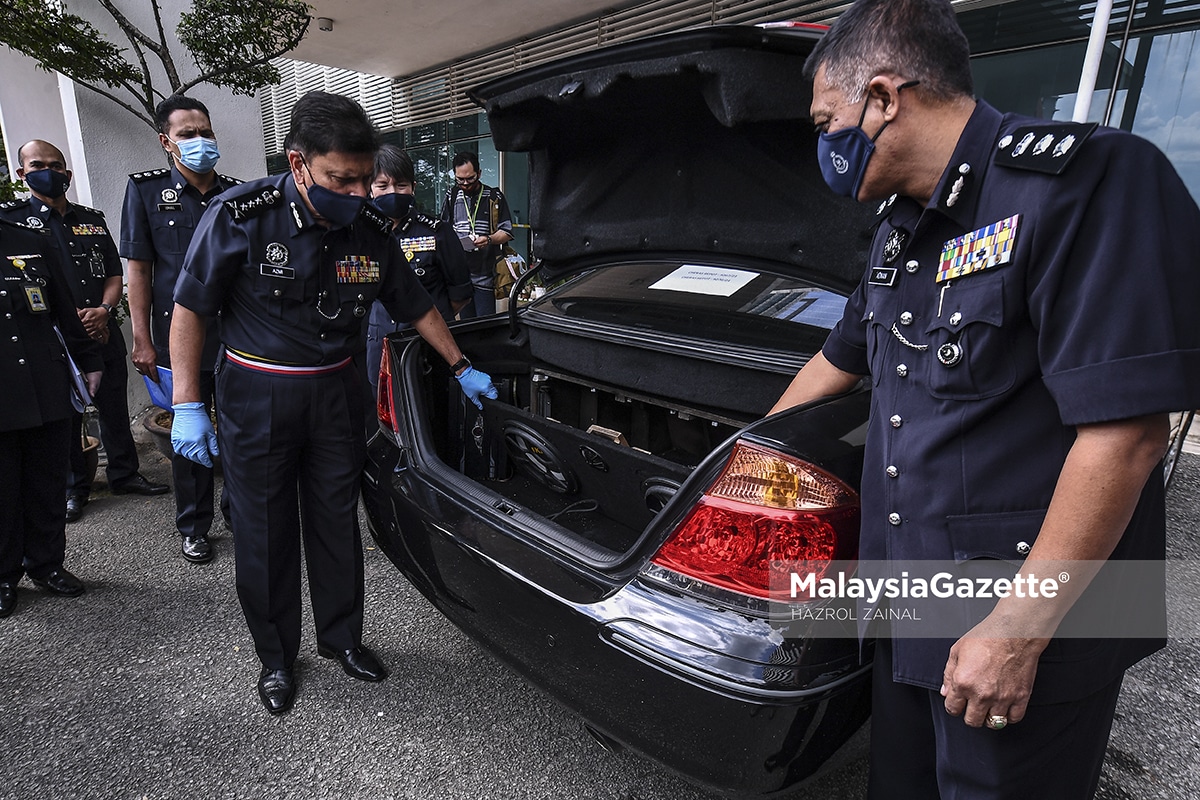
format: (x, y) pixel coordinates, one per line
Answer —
(972, 355)
(285, 299)
(356, 298)
(172, 232)
(881, 313)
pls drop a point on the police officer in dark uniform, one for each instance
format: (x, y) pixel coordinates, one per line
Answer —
(430, 246)
(93, 268)
(36, 412)
(293, 263)
(162, 209)
(1026, 323)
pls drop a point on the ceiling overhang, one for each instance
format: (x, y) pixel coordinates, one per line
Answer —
(383, 37)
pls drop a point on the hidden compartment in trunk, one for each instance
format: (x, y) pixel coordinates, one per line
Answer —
(598, 461)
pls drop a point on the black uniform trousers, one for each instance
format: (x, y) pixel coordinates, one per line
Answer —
(293, 449)
(919, 752)
(33, 477)
(193, 483)
(112, 411)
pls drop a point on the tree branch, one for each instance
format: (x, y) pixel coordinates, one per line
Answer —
(165, 54)
(147, 118)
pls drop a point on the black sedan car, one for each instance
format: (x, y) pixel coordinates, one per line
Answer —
(612, 527)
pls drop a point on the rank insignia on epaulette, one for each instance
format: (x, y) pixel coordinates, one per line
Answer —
(148, 174)
(230, 181)
(427, 220)
(95, 211)
(12, 204)
(244, 208)
(1045, 148)
(987, 247)
(369, 213)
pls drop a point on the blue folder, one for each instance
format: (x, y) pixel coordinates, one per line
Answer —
(160, 392)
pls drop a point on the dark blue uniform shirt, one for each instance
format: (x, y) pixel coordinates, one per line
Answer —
(435, 254)
(290, 290)
(82, 239)
(33, 365)
(159, 217)
(1070, 300)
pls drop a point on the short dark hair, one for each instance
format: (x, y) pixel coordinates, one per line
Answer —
(915, 39)
(466, 157)
(326, 123)
(395, 163)
(176, 102)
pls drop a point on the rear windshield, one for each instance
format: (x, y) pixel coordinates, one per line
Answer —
(723, 304)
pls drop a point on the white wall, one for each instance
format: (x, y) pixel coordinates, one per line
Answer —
(102, 141)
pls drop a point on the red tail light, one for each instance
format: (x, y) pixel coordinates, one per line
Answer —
(766, 512)
(385, 401)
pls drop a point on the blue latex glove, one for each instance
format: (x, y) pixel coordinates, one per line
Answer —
(192, 434)
(474, 384)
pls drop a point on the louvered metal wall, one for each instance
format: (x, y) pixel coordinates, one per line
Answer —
(439, 94)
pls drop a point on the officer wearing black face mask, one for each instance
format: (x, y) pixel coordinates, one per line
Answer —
(85, 247)
(293, 262)
(35, 411)
(430, 246)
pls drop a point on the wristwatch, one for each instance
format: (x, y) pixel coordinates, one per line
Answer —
(107, 307)
(460, 365)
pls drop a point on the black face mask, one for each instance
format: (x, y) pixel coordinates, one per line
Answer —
(48, 182)
(339, 210)
(395, 206)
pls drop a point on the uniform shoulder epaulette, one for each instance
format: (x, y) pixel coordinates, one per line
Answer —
(88, 209)
(147, 175)
(371, 215)
(229, 180)
(425, 219)
(249, 206)
(10, 204)
(1046, 148)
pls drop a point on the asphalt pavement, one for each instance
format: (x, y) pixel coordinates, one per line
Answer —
(145, 688)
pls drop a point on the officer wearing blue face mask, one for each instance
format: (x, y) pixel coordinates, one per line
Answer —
(1025, 323)
(293, 262)
(162, 209)
(93, 270)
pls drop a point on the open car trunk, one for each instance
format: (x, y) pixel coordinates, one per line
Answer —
(594, 435)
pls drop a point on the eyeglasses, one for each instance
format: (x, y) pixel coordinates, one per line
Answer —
(467, 180)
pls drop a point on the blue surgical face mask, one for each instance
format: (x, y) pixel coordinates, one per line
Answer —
(48, 182)
(395, 206)
(339, 210)
(843, 155)
(198, 154)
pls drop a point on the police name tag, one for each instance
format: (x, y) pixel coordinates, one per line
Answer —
(882, 276)
(357, 269)
(987, 247)
(170, 206)
(276, 271)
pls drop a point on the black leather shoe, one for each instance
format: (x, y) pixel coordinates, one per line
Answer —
(358, 662)
(60, 582)
(139, 485)
(197, 549)
(75, 504)
(8, 599)
(276, 689)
